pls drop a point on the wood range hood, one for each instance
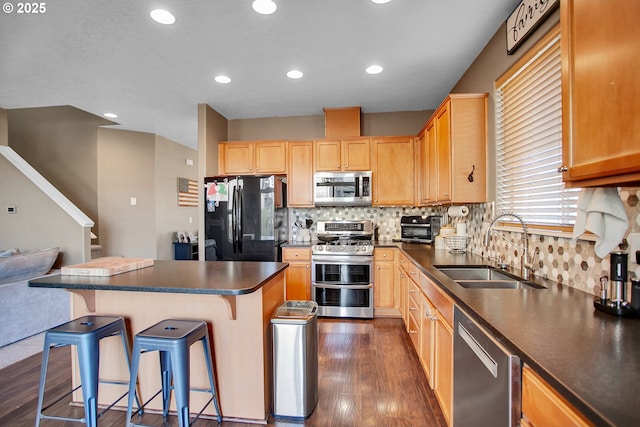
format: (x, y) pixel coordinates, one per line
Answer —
(341, 122)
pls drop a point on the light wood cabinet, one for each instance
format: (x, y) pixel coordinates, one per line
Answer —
(443, 152)
(422, 168)
(543, 406)
(393, 170)
(403, 303)
(456, 140)
(342, 154)
(298, 275)
(600, 92)
(443, 367)
(441, 345)
(341, 122)
(300, 174)
(432, 162)
(427, 336)
(413, 299)
(252, 157)
(384, 287)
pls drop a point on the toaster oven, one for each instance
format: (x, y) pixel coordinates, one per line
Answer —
(420, 229)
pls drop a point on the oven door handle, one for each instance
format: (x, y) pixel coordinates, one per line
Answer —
(342, 259)
(322, 285)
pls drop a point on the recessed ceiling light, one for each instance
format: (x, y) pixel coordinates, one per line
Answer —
(222, 79)
(264, 7)
(380, 1)
(374, 69)
(295, 74)
(111, 115)
(162, 16)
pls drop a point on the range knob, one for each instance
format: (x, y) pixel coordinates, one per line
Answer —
(342, 248)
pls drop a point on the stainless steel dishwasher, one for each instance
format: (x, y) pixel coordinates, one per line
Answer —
(486, 378)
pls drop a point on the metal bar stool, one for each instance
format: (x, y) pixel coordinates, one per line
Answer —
(85, 333)
(173, 339)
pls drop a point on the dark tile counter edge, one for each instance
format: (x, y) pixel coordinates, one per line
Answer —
(456, 292)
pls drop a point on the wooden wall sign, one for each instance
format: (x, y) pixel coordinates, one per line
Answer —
(527, 16)
(187, 192)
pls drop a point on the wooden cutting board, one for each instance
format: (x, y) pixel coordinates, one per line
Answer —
(106, 266)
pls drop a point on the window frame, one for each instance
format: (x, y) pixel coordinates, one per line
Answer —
(539, 49)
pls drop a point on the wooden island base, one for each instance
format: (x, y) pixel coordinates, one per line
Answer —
(241, 346)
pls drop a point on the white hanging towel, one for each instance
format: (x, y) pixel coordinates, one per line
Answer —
(601, 211)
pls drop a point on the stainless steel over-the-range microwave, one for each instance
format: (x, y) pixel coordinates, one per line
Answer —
(342, 188)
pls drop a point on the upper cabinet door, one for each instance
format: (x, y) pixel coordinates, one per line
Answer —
(271, 157)
(393, 171)
(327, 155)
(356, 154)
(342, 155)
(432, 163)
(443, 135)
(236, 158)
(601, 91)
(251, 157)
(300, 175)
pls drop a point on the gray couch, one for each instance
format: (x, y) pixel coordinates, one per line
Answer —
(26, 311)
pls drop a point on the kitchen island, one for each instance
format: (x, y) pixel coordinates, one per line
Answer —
(236, 299)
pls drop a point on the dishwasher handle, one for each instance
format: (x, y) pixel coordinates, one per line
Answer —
(477, 349)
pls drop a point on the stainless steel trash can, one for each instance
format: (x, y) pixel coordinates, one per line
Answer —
(295, 359)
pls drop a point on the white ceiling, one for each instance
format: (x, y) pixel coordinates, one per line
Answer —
(109, 56)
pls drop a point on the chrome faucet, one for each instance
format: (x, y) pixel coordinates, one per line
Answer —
(526, 267)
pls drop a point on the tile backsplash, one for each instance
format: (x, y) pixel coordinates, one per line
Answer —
(560, 258)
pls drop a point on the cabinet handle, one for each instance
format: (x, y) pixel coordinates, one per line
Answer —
(412, 332)
(562, 168)
(413, 291)
(307, 267)
(413, 309)
(378, 268)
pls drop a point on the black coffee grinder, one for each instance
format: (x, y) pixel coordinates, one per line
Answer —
(613, 299)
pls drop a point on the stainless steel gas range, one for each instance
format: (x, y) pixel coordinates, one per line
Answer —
(342, 269)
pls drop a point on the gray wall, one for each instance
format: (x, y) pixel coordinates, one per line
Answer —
(312, 127)
(146, 167)
(126, 170)
(170, 163)
(38, 223)
(4, 127)
(61, 143)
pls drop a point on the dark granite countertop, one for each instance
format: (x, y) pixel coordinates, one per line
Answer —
(193, 277)
(591, 358)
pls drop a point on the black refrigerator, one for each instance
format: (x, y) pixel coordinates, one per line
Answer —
(246, 218)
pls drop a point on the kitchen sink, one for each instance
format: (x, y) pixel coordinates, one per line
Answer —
(486, 278)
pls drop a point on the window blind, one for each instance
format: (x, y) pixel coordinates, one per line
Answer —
(529, 142)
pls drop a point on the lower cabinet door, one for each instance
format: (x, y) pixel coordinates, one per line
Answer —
(443, 384)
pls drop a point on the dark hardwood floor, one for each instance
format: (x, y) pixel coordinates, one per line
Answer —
(369, 375)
